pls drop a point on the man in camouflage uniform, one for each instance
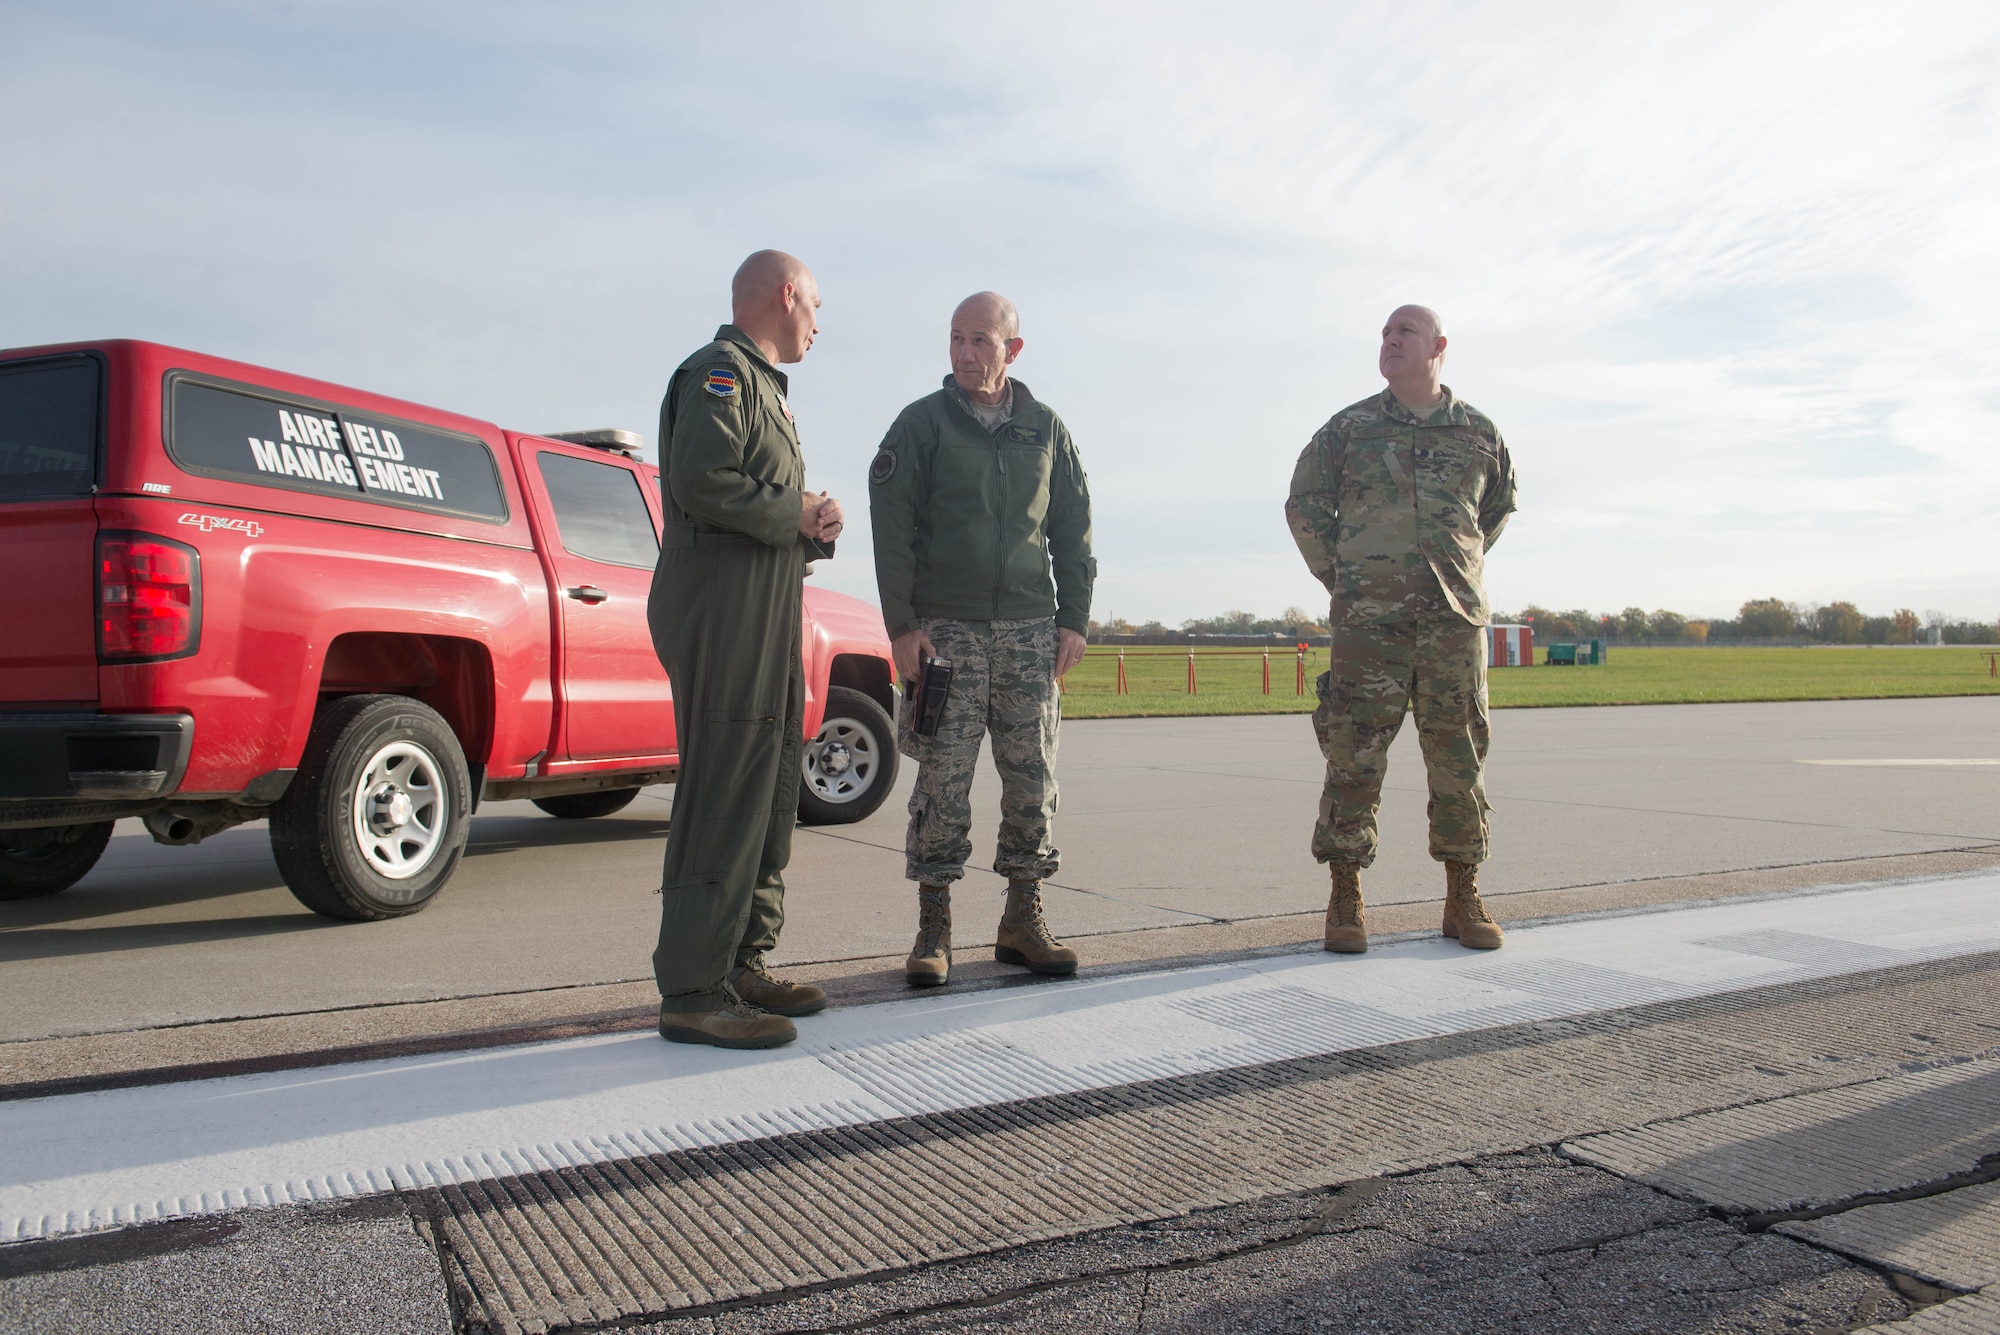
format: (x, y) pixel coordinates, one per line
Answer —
(1394, 505)
(725, 616)
(981, 516)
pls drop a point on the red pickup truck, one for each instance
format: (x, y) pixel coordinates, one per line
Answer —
(232, 594)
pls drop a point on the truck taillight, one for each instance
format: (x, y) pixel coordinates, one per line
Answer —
(148, 598)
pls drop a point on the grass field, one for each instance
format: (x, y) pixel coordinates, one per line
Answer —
(1231, 682)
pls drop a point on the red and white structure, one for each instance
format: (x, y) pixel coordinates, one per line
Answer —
(1510, 646)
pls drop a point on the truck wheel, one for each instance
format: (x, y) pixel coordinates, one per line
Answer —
(51, 859)
(582, 806)
(376, 820)
(849, 768)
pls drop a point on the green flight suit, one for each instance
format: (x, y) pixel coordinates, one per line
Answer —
(725, 618)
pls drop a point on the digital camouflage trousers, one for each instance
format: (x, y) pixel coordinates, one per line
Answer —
(1003, 684)
(1434, 667)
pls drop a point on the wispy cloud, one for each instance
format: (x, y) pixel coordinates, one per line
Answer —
(1724, 273)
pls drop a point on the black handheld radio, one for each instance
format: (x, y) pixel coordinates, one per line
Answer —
(928, 693)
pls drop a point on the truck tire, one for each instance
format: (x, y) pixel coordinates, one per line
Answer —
(50, 859)
(376, 820)
(583, 806)
(848, 769)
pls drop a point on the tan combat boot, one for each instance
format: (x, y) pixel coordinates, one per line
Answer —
(929, 964)
(754, 983)
(1465, 915)
(1346, 928)
(1024, 937)
(735, 1024)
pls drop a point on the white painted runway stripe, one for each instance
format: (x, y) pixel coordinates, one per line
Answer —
(86, 1161)
(1901, 762)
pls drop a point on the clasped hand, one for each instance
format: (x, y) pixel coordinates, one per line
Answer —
(820, 517)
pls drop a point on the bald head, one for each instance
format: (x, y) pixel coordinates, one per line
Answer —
(1424, 313)
(989, 310)
(1412, 358)
(985, 339)
(762, 275)
(775, 300)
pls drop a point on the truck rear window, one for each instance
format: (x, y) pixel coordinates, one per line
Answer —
(48, 428)
(335, 451)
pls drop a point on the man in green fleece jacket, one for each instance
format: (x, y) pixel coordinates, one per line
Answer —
(981, 515)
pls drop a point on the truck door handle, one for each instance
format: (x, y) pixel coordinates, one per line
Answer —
(587, 593)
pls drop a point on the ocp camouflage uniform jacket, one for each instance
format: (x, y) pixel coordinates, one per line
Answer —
(1388, 511)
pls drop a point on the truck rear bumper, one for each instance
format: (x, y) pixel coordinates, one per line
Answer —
(99, 757)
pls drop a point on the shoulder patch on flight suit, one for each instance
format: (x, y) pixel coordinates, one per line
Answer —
(721, 383)
(883, 468)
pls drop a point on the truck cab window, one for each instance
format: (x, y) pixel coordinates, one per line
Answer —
(48, 429)
(601, 514)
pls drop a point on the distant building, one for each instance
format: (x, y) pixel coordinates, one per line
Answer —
(1510, 646)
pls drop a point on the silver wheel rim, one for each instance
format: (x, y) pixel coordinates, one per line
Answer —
(841, 763)
(400, 811)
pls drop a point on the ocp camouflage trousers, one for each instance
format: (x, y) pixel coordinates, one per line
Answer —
(1002, 683)
(1436, 668)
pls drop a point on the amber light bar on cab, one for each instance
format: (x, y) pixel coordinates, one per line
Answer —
(148, 598)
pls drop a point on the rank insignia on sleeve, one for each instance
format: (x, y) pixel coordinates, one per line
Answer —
(721, 383)
(883, 468)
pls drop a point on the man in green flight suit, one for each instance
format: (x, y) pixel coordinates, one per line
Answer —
(1394, 505)
(725, 616)
(981, 518)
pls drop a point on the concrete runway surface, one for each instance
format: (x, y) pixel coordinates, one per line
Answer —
(1164, 822)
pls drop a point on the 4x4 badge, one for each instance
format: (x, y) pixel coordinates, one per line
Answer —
(210, 523)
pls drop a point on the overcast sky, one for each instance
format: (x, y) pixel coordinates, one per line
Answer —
(1725, 274)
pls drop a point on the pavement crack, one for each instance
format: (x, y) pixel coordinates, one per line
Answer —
(426, 1211)
(1605, 1240)
(1986, 1170)
(1138, 903)
(1341, 1201)
(43, 1256)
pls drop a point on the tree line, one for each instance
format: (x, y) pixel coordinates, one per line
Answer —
(1758, 619)
(1293, 622)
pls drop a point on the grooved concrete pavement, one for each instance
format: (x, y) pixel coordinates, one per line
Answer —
(1516, 1243)
(1798, 1153)
(1952, 1238)
(1978, 1314)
